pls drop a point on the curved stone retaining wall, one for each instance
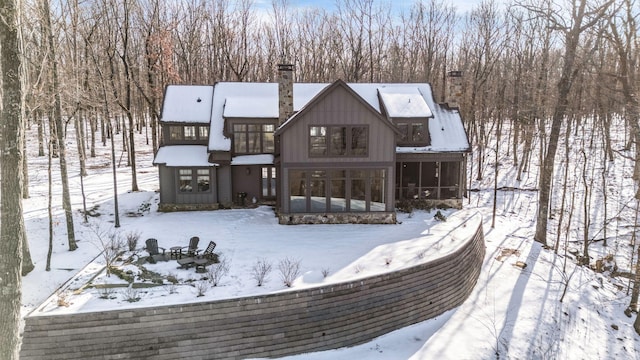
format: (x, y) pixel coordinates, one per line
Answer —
(272, 325)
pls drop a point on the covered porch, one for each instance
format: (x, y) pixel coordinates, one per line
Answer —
(435, 178)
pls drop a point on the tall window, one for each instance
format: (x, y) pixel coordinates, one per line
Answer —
(318, 140)
(194, 180)
(186, 179)
(268, 182)
(203, 180)
(175, 132)
(203, 132)
(253, 138)
(297, 191)
(190, 133)
(338, 141)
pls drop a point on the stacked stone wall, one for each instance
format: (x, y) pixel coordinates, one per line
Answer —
(293, 322)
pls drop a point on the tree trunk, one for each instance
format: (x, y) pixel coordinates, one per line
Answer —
(11, 218)
(572, 39)
(80, 145)
(57, 115)
(25, 169)
(50, 211)
(38, 119)
(115, 178)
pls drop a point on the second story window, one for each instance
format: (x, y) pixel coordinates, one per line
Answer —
(413, 132)
(338, 141)
(188, 133)
(175, 132)
(204, 132)
(253, 138)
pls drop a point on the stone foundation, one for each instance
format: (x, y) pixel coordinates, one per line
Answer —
(164, 207)
(350, 218)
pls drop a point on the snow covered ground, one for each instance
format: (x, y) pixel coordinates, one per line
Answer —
(512, 313)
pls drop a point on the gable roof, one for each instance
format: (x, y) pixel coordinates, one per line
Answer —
(250, 100)
(187, 103)
(326, 91)
(404, 102)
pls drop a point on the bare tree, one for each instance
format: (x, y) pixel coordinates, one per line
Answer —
(59, 130)
(584, 15)
(12, 234)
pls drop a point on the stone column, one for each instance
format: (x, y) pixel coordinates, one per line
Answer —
(285, 92)
(454, 89)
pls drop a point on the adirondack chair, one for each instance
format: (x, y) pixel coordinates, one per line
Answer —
(200, 261)
(208, 252)
(192, 249)
(153, 248)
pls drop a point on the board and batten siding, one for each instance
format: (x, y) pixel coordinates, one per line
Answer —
(338, 108)
(170, 192)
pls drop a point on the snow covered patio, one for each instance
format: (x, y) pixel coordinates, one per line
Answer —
(401, 282)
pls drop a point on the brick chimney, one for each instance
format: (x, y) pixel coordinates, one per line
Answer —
(285, 92)
(454, 89)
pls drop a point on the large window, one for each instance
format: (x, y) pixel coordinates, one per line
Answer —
(253, 138)
(338, 141)
(194, 180)
(341, 190)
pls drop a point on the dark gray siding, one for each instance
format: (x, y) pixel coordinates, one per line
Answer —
(341, 108)
(223, 182)
(169, 193)
(167, 184)
(246, 178)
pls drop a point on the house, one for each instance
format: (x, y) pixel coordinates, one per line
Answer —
(321, 153)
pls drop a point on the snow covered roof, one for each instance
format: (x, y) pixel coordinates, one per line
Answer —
(187, 103)
(183, 155)
(247, 99)
(260, 100)
(251, 107)
(261, 159)
(404, 102)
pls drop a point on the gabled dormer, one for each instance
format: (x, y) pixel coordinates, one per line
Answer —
(250, 121)
(186, 115)
(407, 109)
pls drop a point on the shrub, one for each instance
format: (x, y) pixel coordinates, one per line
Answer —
(132, 240)
(131, 294)
(325, 272)
(106, 292)
(289, 270)
(260, 271)
(201, 288)
(111, 244)
(217, 271)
